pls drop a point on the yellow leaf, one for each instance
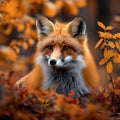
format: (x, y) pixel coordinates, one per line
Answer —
(100, 24)
(109, 28)
(103, 61)
(109, 67)
(98, 43)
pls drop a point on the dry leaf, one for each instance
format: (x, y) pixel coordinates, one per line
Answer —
(109, 67)
(102, 46)
(109, 28)
(109, 53)
(80, 3)
(116, 59)
(103, 61)
(31, 42)
(100, 24)
(70, 8)
(111, 44)
(117, 45)
(108, 35)
(49, 9)
(98, 43)
(24, 45)
(101, 34)
(7, 52)
(116, 36)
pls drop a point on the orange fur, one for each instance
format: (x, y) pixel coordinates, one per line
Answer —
(61, 33)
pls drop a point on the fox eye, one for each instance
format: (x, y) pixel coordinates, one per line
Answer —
(50, 47)
(66, 48)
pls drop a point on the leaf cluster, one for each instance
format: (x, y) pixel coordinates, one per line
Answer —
(109, 45)
(42, 104)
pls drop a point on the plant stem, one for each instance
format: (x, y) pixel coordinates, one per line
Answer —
(111, 80)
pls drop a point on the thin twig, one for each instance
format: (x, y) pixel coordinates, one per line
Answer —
(111, 80)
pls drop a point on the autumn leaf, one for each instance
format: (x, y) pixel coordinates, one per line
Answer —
(17, 49)
(116, 36)
(116, 59)
(102, 46)
(117, 45)
(109, 28)
(109, 53)
(31, 42)
(20, 26)
(7, 52)
(100, 24)
(109, 67)
(111, 44)
(103, 61)
(13, 43)
(98, 43)
(108, 35)
(101, 34)
(24, 45)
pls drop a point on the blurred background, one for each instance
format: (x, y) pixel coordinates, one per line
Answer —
(18, 37)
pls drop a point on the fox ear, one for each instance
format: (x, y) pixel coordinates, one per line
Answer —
(44, 25)
(77, 27)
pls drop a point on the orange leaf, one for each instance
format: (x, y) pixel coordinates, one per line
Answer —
(117, 45)
(109, 53)
(31, 42)
(102, 46)
(101, 34)
(109, 28)
(109, 67)
(111, 44)
(116, 36)
(116, 59)
(24, 45)
(100, 24)
(103, 61)
(108, 35)
(13, 43)
(98, 43)
(17, 49)
(8, 53)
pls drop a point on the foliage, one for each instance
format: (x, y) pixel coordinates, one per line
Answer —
(18, 35)
(19, 104)
(110, 46)
(17, 26)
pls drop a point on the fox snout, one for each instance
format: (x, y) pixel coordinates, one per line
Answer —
(60, 62)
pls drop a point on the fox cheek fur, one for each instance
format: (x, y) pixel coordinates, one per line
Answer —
(63, 61)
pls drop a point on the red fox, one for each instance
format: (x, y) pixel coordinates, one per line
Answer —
(63, 59)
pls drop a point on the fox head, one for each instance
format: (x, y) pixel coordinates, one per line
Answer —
(61, 45)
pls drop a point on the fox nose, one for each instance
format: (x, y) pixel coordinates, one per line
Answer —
(53, 62)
